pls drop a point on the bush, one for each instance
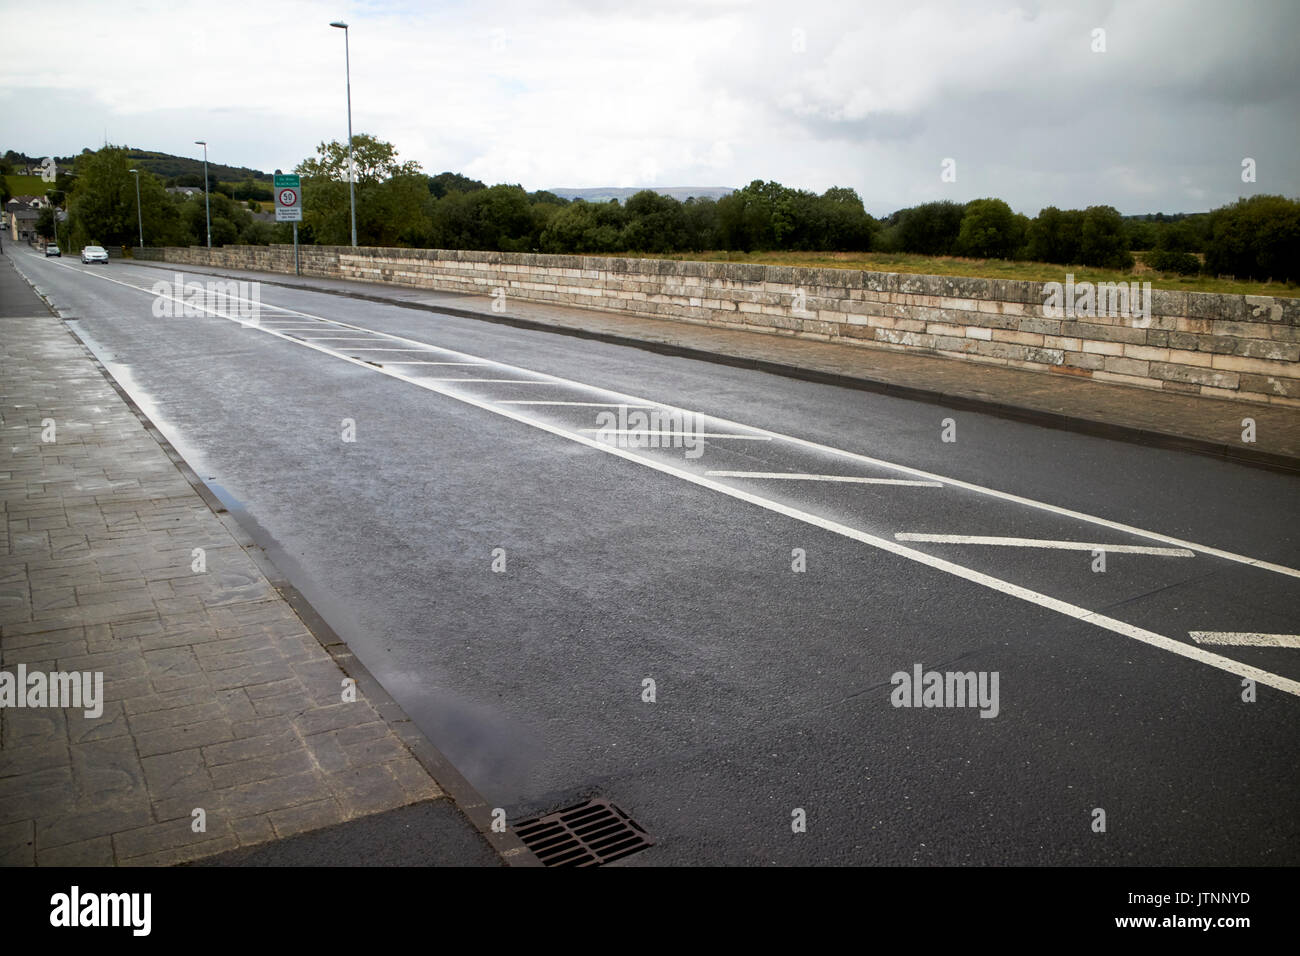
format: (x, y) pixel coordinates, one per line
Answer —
(1167, 260)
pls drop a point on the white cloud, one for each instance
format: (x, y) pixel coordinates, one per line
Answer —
(692, 93)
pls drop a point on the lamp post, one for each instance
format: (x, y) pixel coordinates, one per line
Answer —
(207, 201)
(352, 169)
(54, 215)
(139, 215)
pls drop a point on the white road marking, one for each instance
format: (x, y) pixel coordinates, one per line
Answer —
(1044, 543)
(522, 401)
(643, 433)
(428, 349)
(852, 479)
(1245, 638)
(491, 381)
(482, 364)
(1048, 602)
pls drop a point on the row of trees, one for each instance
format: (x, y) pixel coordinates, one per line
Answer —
(101, 209)
(397, 204)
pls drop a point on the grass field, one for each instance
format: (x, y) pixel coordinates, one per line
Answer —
(987, 269)
(27, 185)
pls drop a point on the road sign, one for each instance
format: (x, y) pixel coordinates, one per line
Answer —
(288, 198)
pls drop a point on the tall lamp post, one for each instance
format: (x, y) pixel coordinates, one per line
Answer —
(139, 215)
(54, 215)
(207, 202)
(352, 169)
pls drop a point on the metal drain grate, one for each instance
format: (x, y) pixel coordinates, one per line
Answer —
(586, 834)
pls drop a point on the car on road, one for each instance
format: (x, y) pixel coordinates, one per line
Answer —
(94, 254)
(53, 250)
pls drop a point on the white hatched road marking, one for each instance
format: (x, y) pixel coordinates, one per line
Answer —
(850, 479)
(1044, 543)
(1048, 602)
(1245, 638)
(649, 433)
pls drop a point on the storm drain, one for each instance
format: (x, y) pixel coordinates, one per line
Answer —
(586, 834)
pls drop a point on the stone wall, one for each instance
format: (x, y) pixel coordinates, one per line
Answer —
(1225, 346)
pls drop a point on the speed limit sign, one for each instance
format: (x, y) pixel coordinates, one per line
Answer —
(288, 198)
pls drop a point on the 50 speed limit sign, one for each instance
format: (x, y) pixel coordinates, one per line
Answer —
(288, 199)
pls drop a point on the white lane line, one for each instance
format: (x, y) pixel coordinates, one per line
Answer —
(1044, 543)
(644, 433)
(525, 401)
(340, 338)
(1245, 638)
(1074, 611)
(852, 479)
(428, 349)
(490, 381)
(481, 364)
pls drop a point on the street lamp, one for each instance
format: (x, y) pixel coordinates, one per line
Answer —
(352, 169)
(138, 214)
(207, 202)
(54, 215)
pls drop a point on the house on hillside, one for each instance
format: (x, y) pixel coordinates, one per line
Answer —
(185, 192)
(39, 202)
(22, 220)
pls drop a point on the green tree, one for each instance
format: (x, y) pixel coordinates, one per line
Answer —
(45, 223)
(1056, 236)
(701, 216)
(1102, 240)
(655, 223)
(1257, 238)
(930, 229)
(845, 225)
(382, 206)
(101, 204)
(450, 182)
(989, 230)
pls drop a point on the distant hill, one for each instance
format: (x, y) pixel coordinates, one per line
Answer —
(162, 165)
(606, 193)
(167, 166)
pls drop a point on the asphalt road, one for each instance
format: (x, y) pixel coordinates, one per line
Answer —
(772, 686)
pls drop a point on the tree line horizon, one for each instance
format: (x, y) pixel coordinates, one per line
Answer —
(398, 205)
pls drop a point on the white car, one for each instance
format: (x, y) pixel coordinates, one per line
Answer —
(94, 254)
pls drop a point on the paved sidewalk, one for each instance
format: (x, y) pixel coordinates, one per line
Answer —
(216, 697)
(1191, 423)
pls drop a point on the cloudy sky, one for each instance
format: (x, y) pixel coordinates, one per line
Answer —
(693, 92)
